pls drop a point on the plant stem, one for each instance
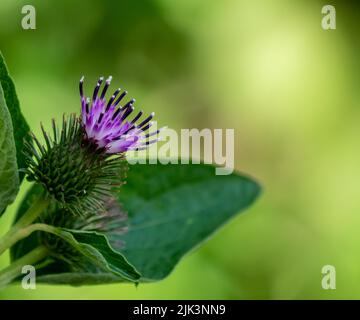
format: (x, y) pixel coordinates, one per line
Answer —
(14, 270)
(18, 231)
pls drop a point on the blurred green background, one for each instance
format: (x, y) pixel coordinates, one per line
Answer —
(266, 68)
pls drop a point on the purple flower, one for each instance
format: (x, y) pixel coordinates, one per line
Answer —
(105, 122)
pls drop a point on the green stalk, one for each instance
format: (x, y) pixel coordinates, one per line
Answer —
(18, 231)
(14, 270)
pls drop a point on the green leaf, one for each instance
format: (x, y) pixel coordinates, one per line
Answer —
(96, 254)
(9, 178)
(21, 128)
(78, 278)
(96, 250)
(172, 209)
(95, 261)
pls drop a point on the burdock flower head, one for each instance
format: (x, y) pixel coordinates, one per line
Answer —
(83, 163)
(105, 122)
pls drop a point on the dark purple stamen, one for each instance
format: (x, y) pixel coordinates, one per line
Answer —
(127, 112)
(100, 118)
(87, 106)
(116, 113)
(106, 124)
(137, 117)
(81, 87)
(96, 90)
(128, 130)
(152, 134)
(128, 104)
(112, 99)
(146, 127)
(120, 98)
(149, 142)
(146, 120)
(107, 84)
